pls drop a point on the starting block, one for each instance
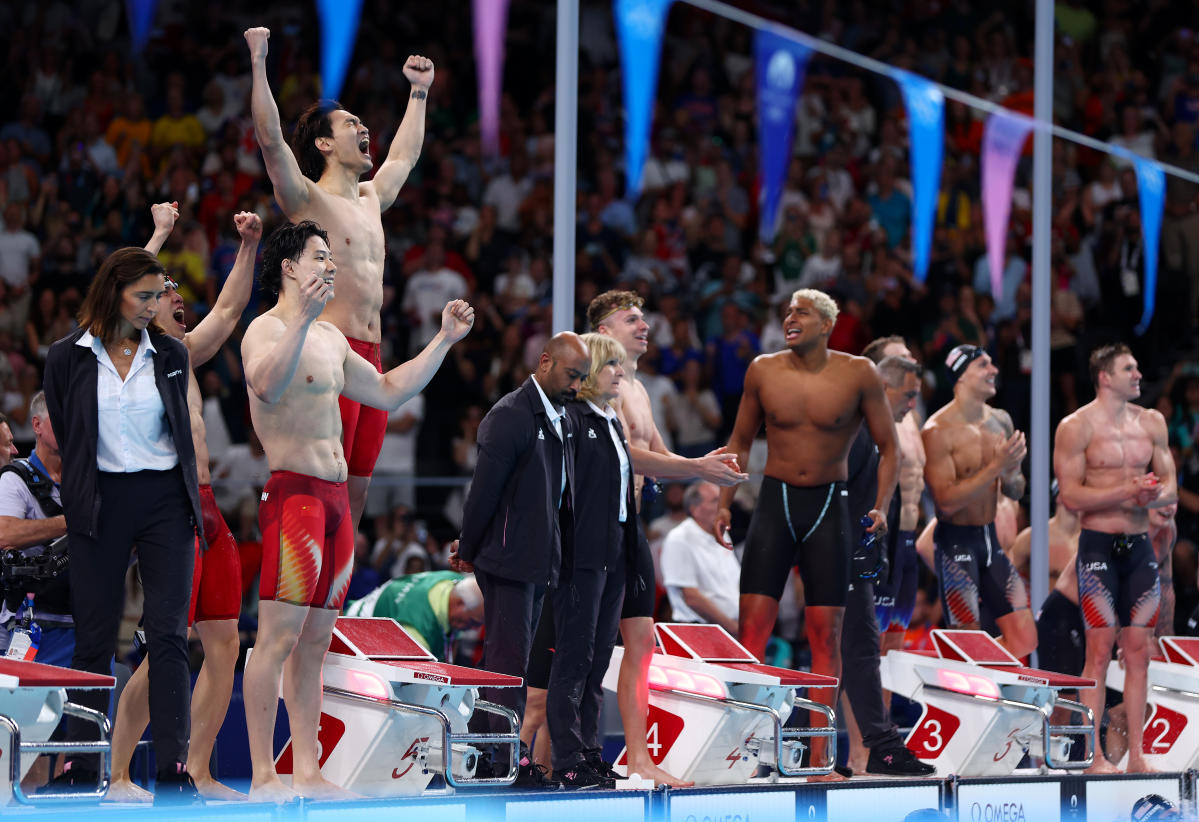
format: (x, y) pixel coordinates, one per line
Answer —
(716, 712)
(393, 717)
(983, 710)
(1171, 739)
(33, 699)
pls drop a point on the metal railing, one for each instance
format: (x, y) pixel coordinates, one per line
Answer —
(103, 747)
(448, 737)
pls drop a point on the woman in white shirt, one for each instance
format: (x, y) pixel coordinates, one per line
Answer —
(116, 392)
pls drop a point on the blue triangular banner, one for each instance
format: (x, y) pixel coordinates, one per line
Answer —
(926, 124)
(779, 66)
(339, 30)
(639, 27)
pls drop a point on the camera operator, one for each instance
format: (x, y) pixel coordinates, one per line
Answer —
(30, 520)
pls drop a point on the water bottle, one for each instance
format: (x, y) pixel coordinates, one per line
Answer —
(26, 634)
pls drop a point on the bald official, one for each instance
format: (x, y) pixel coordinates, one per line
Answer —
(516, 522)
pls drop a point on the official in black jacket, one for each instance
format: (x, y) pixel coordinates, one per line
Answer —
(511, 532)
(587, 602)
(117, 399)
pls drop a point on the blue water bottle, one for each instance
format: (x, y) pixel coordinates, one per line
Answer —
(26, 634)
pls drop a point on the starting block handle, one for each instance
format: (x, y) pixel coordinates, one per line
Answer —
(829, 732)
(102, 747)
(1087, 731)
(448, 738)
(1047, 730)
(780, 733)
(511, 739)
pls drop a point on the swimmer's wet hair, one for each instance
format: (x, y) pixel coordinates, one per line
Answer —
(1104, 357)
(285, 243)
(608, 303)
(313, 124)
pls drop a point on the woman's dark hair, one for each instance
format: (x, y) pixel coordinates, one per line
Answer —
(101, 310)
(286, 243)
(314, 122)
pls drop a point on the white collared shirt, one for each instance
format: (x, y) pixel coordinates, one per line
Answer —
(134, 434)
(609, 413)
(555, 416)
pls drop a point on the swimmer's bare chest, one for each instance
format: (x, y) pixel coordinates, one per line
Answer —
(358, 244)
(810, 422)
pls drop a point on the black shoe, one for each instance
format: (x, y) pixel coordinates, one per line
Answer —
(583, 775)
(532, 776)
(72, 780)
(599, 764)
(897, 761)
(843, 770)
(176, 788)
(484, 767)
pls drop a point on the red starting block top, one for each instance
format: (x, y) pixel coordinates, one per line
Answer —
(37, 675)
(1181, 650)
(1050, 679)
(785, 675)
(446, 674)
(377, 638)
(709, 643)
(978, 647)
(713, 644)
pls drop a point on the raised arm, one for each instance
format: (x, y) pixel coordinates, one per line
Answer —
(210, 334)
(409, 137)
(291, 186)
(271, 348)
(391, 390)
(879, 420)
(164, 215)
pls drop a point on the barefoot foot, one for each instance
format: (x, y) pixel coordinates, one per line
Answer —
(321, 788)
(272, 790)
(659, 776)
(126, 791)
(1102, 766)
(828, 777)
(209, 788)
